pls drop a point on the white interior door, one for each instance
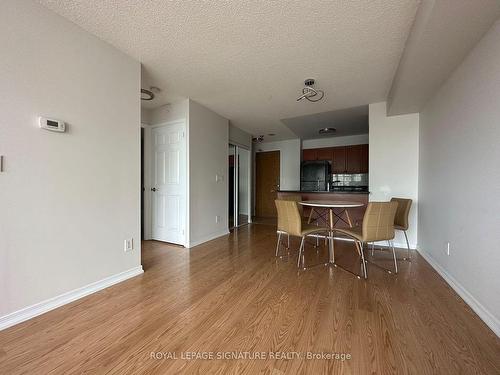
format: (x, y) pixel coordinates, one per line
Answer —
(168, 188)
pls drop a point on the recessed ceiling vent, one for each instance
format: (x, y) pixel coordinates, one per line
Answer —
(310, 93)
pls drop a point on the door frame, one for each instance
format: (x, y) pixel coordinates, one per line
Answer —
(145, 188)
(148, 178)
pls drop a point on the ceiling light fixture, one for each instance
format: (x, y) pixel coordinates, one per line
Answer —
(259, 139)
(147, 95)
(310, 93)
(327, 130)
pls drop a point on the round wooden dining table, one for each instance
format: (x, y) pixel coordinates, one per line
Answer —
(334, 217)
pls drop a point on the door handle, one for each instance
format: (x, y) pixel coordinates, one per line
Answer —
(153, 189)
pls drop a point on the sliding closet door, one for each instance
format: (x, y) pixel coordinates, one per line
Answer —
(231, 180)
(243, 186)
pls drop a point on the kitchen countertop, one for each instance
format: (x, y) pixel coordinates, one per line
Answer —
(324, 192)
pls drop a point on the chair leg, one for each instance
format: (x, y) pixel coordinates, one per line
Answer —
(317, 242)
(304, 253)
(288, 248)
(408, 247)
(301, 251)
(363, 260)
(278, 244)
(331, 244)
(394, 256)
(373, 248)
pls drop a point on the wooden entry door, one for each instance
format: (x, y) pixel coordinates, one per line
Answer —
(267, 173)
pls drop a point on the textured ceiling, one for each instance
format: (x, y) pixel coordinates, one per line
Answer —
(349, 121)
(247, 60)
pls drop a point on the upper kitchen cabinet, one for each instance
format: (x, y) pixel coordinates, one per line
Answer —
(357, 159)
(353, 162)
(324, 154)
(344, 159)
(338, 160)
(309, 154)
(317, 154)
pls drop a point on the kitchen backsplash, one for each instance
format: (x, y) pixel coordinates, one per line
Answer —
(357, 179)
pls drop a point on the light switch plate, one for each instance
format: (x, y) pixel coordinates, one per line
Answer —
(128, 245)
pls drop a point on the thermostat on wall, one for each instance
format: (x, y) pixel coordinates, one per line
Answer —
(51, 124)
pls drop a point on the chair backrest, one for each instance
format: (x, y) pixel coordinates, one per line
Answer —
(378, 222)
(289, 219)
(296, 198)
(402, 212)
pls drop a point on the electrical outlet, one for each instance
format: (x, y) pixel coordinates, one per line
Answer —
(217, 219)
(128, 245)
(448, 248)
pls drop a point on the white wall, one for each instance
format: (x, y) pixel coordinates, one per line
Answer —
(289, 161)
(460, 179)
(360, 139)
(393, 162)
(208, 139)
(178, 110)
(240, 137)
(145, 116)
(68, 200)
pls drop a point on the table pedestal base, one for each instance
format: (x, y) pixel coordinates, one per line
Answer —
(332, 219)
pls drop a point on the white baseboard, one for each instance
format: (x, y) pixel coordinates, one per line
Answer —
(207, 238)
(487, 317)
(397, 245)
(40, 308)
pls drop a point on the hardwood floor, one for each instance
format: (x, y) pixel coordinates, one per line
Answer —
(232, 294)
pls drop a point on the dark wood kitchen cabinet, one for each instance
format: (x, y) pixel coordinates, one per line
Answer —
(357, 159)
(353, 162)
(344, 159)
(338, 159)
(309, 154)
(324, 154)
(317, 154)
